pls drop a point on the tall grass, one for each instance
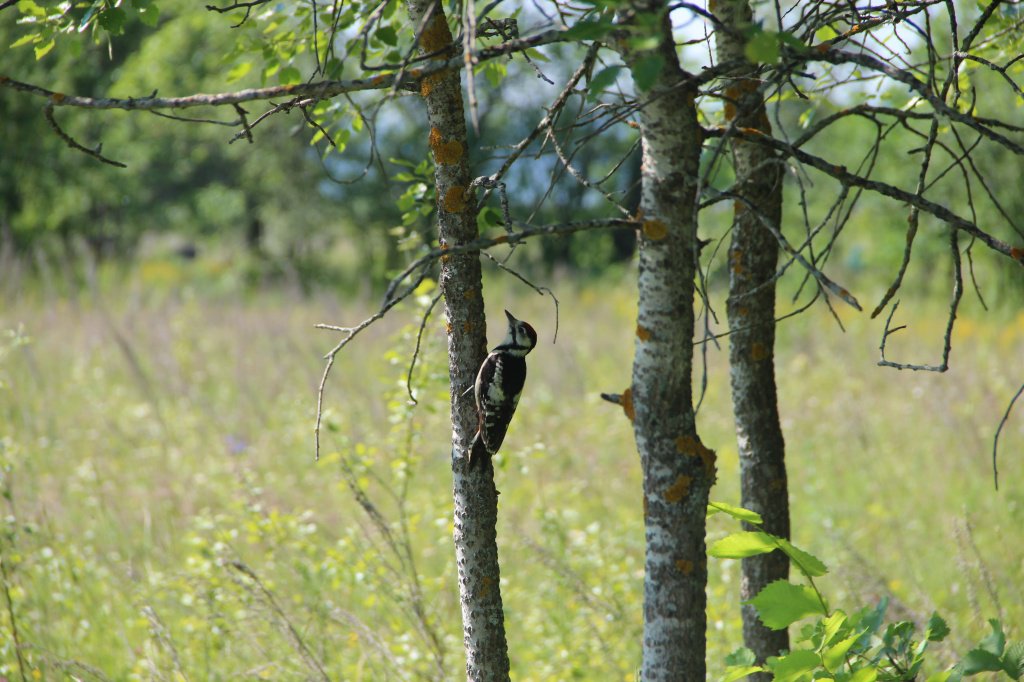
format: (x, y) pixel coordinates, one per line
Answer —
(164, 517)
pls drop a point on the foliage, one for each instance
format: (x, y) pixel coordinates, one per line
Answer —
(855, 648)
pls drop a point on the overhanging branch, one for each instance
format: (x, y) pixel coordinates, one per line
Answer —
(318, 90)
(844, 176)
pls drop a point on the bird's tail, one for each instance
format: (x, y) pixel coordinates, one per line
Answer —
(477, 451)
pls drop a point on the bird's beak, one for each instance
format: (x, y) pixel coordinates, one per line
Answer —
(510, 318)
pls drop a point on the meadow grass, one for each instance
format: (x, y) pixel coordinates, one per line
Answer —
(164, 517)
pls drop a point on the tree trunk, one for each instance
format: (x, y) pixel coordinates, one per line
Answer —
(678, 470)
(476, 499)
(753, 258)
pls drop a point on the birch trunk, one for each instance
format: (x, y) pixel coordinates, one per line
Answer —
(475, 497)
(678, 470)
(753, 258)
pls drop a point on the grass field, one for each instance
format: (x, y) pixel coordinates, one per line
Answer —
(164, 518)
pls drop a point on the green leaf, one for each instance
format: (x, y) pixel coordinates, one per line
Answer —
(1013, 659)
(240, 71)
(831, 627)
(995, 642)
(740, 657)
(387, 35)
(763, 48)
(782, 603)
(31, 8)
(739, 672)
(150, 15)
(743, 544)
(44, 49)
(865, 675)
(937, 629)
(796, 666)
(834, 656)
(589, 29)
(646, 71)
(738, 513)
(289, 75)
(980, 661)
(113, 20)
(604, 78)
(806, 563)
(25, 40)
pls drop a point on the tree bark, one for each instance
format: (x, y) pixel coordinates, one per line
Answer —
(475, 497)
(678, 470)
(753, 259)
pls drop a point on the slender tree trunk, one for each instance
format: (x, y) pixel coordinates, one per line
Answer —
(678, 470)
(476, 499)
(753, 258)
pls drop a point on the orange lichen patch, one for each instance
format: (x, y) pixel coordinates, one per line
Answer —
(434, 138)
(655, 230)
(467, 327)
(378, 79)
(642, 332)
(685, 566)
(736, 262)
(758, 352)
(448, 153)
(485, 586)
(501, 239)
(692, 447)
(469, 294)
(678, 490)
(448, 327)
(1017, 254)
(436, 35)
(777, 484)
(455, 199)
(444, 152)
(627, 404)
(428, 83)
(57, 97)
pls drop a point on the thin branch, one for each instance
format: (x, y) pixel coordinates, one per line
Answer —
(954, 305)
(841, 174)
(416, 352)
(540, 290)
(95, 153)
(318, 90)
(999, 430)
(247, 131)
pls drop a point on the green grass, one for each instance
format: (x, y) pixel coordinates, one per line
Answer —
(164, 518)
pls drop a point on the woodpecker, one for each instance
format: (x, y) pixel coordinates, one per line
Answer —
(498, 386)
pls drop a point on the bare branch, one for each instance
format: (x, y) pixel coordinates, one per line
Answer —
(947, 341)
(95, 153)
(845, 177)
(999, 430)
(317, 90)
(416, 352)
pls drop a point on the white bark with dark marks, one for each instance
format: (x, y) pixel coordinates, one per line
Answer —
(678, 470)
(475, 497)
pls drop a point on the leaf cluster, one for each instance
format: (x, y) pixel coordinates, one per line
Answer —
(838, 646)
